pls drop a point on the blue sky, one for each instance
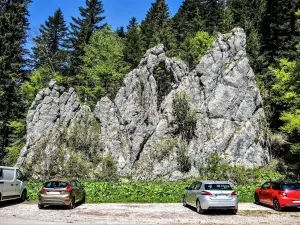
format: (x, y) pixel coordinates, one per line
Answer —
(117, 12)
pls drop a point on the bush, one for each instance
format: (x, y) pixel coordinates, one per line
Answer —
(217, 168)
(185, 117)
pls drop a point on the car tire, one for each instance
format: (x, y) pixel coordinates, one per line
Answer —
(23, 196)
(198, 207)
(256, 199)
(276, 205)
(72, 204)
(184, 201)
(234, 211)
(41, 206)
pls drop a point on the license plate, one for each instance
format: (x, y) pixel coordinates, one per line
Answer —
(221, 196)
(53, 193)
(296, 201)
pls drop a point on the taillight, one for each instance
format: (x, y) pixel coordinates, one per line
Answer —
(282, 193)
(233, 193)
(205, 193)
(69, 188)
(42, 189)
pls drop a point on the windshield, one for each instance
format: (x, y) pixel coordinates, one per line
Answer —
(292, 186)
(56, 184)
(217, 187)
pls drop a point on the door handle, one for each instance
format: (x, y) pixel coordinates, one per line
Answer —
(12, 185)
(17, 184)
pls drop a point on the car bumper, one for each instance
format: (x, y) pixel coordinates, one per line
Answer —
(289, 202)
(208, 203)
(54, 200)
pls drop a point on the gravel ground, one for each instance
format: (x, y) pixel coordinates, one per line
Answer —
(28, 213)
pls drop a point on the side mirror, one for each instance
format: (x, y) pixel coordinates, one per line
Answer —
(187, 188)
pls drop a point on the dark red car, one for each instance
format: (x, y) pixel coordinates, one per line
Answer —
(278, 194)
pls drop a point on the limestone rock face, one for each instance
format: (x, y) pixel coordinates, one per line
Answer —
(139, 128)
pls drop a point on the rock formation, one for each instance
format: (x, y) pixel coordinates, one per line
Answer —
(140, 129)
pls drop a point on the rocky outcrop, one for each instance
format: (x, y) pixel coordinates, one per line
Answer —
(140, 128)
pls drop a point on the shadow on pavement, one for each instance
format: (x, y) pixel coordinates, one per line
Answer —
(213, 212)
(10, 203)
(59, 207)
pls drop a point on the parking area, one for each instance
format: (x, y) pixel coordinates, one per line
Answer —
(28, 213)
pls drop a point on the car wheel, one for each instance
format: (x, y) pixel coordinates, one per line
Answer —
(184, 201)
(234, 211)
(256, 199)
(72, 204)
(41, 206)
(276, 205)
(23, 196)
(198, 208)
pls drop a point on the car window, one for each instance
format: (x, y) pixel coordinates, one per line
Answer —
(266, 185)
(218, 187)
(292, 186)
(8, 174)
(276, 186)
(1, 173)
(19, 175)
(192, 186)
(55, 184)
(198, 185)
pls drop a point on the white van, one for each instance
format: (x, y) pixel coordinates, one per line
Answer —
(13, 184)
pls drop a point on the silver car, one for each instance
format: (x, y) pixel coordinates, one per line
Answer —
(211, 195)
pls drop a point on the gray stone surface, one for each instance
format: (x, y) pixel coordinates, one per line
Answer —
(140, 134)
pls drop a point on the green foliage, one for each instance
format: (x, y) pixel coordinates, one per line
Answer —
(51, 45)
(283, 90)
(103, 67)
(144, 192)
(133, 45)
(156, 28)
(109, 169)
(38, 80)
(183, 159)
(217, 168)
(82, 30)
(185, 117)
(13, 152)
(193, 48)
(165, 148)
(18, 128)
(163, 80)
(13, 28)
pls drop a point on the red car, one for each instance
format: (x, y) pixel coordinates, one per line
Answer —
(278, 194)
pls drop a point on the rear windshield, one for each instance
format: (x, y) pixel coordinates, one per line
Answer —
(293, 186)
(217, 187)
(55, 184)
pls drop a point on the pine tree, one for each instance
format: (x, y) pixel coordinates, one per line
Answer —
(133, 49)
(121, 32)
(188, 20)
(279, 31)
(213, 16)
(82, 30)
(198, 15)
(14, 24)
(156, 28)
(51, 45)
(248, 15)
